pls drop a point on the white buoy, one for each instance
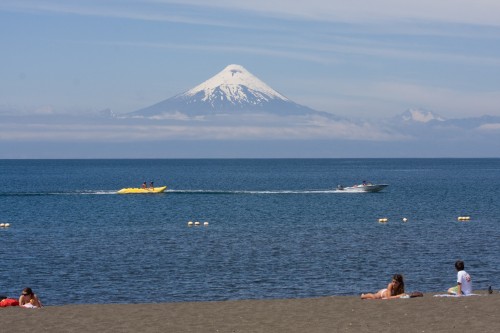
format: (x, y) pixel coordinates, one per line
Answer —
(197, 223)
(2, 225)
(383, 220)
(7, 225)
(190, 223)
(405, 219)
(205, 223)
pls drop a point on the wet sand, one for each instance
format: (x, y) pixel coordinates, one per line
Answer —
(325, 314)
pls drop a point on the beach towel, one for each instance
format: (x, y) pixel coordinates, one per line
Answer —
(29, 306)
(448, 295)
(412, 295)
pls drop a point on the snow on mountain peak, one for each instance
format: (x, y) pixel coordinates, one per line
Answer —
(421, 116)
(234, 90)
(236, 85)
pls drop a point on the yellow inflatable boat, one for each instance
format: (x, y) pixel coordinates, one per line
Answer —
(137, 190)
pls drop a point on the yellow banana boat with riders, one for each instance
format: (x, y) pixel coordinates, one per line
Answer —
(143, 190)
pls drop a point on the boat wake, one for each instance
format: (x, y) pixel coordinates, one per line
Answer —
(84, 192)
(328, 191)
(174, 191)
(98, 192)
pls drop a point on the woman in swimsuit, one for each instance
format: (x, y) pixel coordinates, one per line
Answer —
(395, 289)
(28, 299)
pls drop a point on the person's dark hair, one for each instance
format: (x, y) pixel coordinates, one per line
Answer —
(400, 288)
(27, 291)
(459, 265)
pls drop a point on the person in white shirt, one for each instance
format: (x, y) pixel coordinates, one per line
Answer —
(464, 281)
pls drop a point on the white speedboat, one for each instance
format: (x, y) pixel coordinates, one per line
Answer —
(364, 187)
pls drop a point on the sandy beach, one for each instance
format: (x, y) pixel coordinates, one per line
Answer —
(325, 314)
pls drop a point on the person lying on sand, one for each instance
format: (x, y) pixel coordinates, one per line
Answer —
(28, 299)
(395, 289)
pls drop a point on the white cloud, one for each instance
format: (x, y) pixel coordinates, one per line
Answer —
(478, 12)
(292, 52)
(489, 127)
(134, 11)
(44, 110)
(228, 128)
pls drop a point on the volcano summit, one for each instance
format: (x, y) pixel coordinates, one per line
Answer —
(234, 90)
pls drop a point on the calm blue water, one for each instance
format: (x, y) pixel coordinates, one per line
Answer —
(277, 228)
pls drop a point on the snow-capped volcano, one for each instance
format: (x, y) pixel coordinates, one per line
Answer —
(233, 90)
(419, 116)
(236, 85)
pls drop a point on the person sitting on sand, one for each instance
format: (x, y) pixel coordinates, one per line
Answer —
(395, 289)
(28, 299)
(464, 281)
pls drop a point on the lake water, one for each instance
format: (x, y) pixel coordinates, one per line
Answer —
(277, 228)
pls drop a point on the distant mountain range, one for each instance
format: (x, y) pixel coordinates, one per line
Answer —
(244, 99)
(235, 91)
(236, 108)
(421, 118)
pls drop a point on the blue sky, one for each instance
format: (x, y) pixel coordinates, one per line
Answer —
(365, 59)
